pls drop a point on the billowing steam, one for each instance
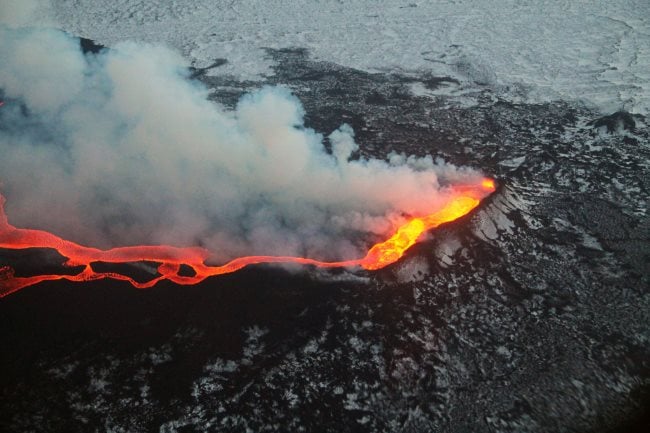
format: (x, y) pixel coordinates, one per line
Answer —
(121, 148)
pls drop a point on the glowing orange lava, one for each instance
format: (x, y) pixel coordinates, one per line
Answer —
(488, 184)
(462, 201)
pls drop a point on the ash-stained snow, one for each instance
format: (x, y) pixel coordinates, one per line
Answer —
(493, 221)
(597, 52)
(415, 269)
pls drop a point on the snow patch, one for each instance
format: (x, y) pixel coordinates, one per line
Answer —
(411, 270)
(598, 52)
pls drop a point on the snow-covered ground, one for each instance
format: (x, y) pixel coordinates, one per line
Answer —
(595, 51)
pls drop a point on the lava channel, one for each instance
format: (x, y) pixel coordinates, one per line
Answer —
(170, 258)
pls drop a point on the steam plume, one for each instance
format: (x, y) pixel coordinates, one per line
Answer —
(121, 148)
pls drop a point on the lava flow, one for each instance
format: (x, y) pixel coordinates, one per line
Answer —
(463, 200)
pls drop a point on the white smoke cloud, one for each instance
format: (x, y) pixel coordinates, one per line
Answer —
(19, 13)
(121, 148)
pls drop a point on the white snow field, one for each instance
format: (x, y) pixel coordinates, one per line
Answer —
(597, 51)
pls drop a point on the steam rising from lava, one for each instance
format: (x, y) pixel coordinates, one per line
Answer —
(121, 148)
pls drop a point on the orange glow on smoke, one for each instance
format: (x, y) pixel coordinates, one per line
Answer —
(462, 201)
(488, 184)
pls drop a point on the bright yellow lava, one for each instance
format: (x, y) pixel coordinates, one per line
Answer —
(387, 252)
(488, 184)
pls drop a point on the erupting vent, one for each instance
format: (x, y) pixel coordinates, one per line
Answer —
(171, 258)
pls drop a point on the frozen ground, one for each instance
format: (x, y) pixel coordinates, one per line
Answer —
(597, 51)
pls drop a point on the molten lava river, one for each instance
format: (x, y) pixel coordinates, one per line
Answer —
(170, 259)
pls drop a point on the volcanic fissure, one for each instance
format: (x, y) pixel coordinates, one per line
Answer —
(171, 259)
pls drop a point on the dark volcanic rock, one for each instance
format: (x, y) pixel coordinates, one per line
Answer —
(619, 121)
(198, 72)
(90, 46)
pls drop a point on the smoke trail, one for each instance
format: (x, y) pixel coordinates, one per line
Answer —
(20, 13)
(121, 148)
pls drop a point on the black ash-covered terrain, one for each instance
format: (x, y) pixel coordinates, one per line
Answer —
(532, 314)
